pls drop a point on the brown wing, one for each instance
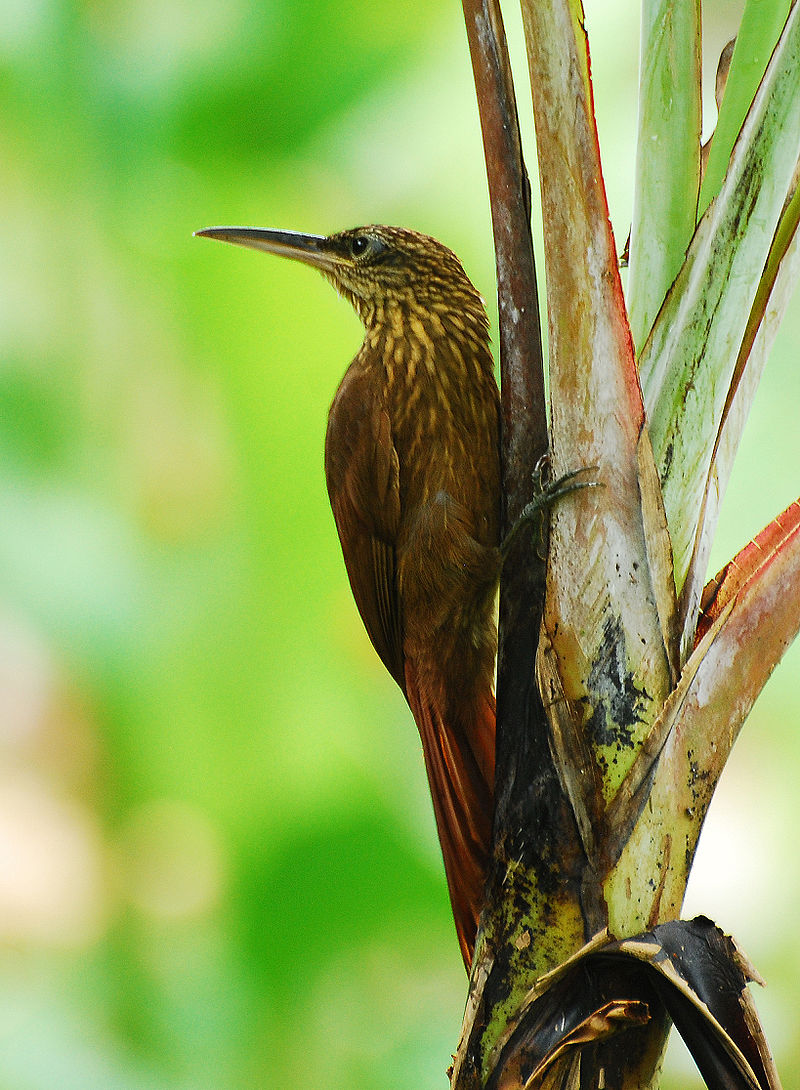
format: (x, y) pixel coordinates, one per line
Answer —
(362, 472)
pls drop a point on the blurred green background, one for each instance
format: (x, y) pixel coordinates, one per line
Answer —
(218, 864)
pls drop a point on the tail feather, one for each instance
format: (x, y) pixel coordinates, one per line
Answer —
(459, 760)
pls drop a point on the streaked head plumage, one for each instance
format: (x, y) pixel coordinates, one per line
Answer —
(373, 266)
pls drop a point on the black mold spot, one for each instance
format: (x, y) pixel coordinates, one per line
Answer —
(618, 702)
(668, 456)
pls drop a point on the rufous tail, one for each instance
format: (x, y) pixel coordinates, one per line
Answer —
(459, 760)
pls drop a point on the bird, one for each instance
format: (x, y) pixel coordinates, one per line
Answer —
(412, 464)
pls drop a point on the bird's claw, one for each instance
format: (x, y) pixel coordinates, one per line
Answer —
(546, 494)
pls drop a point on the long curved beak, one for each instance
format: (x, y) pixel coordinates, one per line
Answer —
(307, 248)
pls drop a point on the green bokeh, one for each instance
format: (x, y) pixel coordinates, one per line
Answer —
(221, 866)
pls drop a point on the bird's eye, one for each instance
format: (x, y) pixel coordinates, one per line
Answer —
(359, 245)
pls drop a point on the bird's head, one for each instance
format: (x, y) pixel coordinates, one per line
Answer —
(376, 268)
